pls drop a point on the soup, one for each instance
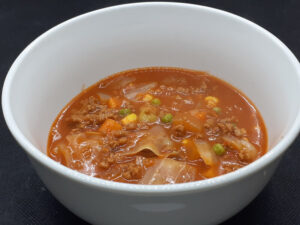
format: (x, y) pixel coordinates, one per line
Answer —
(158, 126)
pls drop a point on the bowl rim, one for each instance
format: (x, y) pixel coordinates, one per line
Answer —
(107, 185)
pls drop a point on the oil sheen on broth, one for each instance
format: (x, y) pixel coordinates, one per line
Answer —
(158, 125)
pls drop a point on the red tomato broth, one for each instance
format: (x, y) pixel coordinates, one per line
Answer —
(181, 92)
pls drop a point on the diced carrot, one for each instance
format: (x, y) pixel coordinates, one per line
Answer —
(113, 102)
(211, 172)
(191, 149)
(189, 122)
(110, 125)
(201, 115)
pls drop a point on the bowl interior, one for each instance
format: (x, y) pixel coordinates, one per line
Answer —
(54, 68)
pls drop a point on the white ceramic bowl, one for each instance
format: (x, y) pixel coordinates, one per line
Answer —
(53, 68)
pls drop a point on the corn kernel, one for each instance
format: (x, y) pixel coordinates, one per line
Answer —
(147, 98)
(211, 101)
(185, 141)
(129, 119)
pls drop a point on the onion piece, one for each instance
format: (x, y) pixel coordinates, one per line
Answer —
(206, 153)
(169, 171)
(134, 91)
(103, 97)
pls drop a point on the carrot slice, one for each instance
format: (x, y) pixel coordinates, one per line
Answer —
(110, 125)
(201, 115)
(113, 102)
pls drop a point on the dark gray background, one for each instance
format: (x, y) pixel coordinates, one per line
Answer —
(23, 197)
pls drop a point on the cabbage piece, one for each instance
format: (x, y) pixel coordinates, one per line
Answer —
(206, 153)
(169, 171)
(117, 83)
(134, 91)
(189, 122)
(64, 151)
(247, 151)
(156, 140)
(104, 97)
(83, 141)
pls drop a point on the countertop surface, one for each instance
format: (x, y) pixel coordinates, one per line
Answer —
(23, 197)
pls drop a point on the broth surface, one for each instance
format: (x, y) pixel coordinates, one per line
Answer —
(158, 125)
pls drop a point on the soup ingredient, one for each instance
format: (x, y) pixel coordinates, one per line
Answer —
(131, 118)
(206, 153)
(134, 90)
(219, 149)
(156, 101)
(110, 125)
(247, 151)
(155, 140)
(167, 118)
(169, 171)
(211, 101)
(158, 126)
(217, 109)
(188, 121)
(124, 112)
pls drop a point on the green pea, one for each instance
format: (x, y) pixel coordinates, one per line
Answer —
(124, 112)
(155, 101)
(217, 109)
(219, 149)
(167, 118)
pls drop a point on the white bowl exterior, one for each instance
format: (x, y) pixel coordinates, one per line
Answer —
(202, 207)
(54, 68)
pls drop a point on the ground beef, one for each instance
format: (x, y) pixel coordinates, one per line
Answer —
(128, 105)
(130, 126)
(91, 114)
(107, 161)
(199, 90)
(142, 126)
(228, 125)
(182, 90)
(119, 133)
(131, 171)
(239, 132)
(117, 139)
(210, 123)
(179, 131)
(149, 109)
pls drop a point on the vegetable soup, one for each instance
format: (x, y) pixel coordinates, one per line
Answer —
(158, 125)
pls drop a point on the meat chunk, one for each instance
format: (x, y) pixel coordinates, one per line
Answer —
(182, 90)
(117, 138)
(91, 114)
(179, 131)
(247, 151)
(131, 171)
